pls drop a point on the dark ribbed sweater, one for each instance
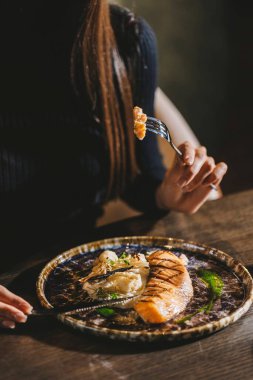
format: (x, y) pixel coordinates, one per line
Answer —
(52, 153)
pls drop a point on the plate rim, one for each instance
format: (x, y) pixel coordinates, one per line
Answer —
(185, 333)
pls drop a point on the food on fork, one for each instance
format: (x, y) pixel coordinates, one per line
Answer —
(168, 290)
(140, 119)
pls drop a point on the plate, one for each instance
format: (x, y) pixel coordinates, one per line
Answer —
(58, 285)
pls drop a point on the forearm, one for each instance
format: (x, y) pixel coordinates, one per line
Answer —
(181, 132)
(166, 111)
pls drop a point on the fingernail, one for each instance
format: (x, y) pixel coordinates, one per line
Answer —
(29, 310)
(22, 318)
(8, 324)
(188, 160)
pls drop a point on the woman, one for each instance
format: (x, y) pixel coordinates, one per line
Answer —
(70, 76)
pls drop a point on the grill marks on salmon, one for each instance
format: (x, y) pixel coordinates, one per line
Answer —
(168, 290)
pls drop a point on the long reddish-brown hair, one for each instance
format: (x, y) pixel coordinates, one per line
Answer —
(109, 90)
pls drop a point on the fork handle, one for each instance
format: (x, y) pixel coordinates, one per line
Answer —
(179, 153)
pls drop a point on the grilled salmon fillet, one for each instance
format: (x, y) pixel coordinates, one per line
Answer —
(168, 290)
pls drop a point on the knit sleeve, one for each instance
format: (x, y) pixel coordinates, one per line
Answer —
(139, 52)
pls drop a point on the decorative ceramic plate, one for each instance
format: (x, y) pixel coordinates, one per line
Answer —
(59, 285)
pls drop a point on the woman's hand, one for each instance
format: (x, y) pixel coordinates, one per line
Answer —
(13, 309)
(187, 185)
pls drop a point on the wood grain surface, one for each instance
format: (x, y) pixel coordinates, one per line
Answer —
(45, 349)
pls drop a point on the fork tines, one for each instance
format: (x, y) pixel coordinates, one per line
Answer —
(155, 126)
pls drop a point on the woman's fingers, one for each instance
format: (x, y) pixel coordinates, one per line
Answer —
(190, 171)
(193, 200)
(186, 186)
(10, 312)
(12, 309)
(12, 299)
(188, 153)
(217, 174)
(200, 187)
(7, 323)
(203, 173)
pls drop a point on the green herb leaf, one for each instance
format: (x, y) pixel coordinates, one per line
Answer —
(113, 296)
(215, 284)
(106, 312)
(189, 316)
(101, 293)
(213, 281)
(111, 262)
(123, 257)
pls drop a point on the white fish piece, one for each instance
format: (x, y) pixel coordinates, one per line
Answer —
(120, 284)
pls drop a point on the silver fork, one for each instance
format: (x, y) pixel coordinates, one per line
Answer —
(86, 306)
(158, 127)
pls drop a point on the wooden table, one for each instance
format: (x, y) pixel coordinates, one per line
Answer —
(46, 349)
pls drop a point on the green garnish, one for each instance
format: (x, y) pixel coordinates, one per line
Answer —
(113, 296)
(215, 284)
(189, 316)
(106, 312)
(123, 257)
(101, 293)
(111, 262)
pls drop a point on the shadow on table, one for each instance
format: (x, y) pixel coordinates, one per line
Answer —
(52, 332)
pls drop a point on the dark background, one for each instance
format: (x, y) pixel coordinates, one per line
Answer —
(205, 67)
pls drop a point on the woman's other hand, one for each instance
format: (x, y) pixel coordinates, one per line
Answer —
(13, 309)
(186, 186)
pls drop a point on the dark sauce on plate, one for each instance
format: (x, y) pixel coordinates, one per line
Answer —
(63, 288)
